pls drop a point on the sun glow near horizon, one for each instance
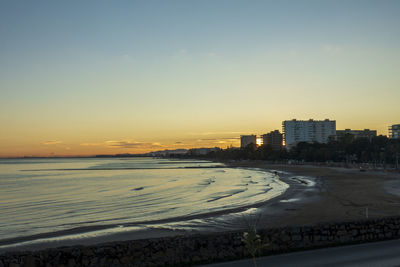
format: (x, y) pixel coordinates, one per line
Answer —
(152, 76)
(259, 141)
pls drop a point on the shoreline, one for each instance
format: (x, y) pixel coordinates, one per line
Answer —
(331, 199)
(91, 235)
(209, 248)
(341, 194)
(299, 193)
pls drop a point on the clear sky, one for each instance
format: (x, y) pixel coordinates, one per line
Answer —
(92, 77)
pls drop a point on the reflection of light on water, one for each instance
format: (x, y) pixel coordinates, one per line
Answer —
(279, 172)
(290, 200)
(218, 223)
(304, 180)
(92, 234)
(148, 192)
(250, 211)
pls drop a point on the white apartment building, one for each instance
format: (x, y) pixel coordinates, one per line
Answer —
(295, 131)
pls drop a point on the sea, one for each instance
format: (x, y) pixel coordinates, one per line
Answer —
(54, 199)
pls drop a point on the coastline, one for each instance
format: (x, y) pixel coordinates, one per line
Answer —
(227, 219)
(340, 194)
(337, 195)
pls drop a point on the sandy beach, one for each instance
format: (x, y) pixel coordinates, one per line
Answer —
(339, 194)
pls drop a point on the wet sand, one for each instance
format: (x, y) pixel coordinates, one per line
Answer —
(339, 194)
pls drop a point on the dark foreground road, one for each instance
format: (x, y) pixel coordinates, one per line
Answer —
(386, 253)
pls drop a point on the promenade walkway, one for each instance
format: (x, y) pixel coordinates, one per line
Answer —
(385, 253)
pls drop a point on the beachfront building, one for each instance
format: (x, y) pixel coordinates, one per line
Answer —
(274, 139)
(296, 131)
(394, 131)
(246, 140)
(366, 133)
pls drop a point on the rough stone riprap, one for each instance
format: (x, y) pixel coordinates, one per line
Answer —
(194, 249)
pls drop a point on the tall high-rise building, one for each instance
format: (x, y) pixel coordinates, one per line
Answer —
(295, 131)
(246, 140)
(394, 131)
(274, 139)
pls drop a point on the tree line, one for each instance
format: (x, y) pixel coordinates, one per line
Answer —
(377, 150)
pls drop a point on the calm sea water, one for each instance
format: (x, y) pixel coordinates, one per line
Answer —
(49, 195)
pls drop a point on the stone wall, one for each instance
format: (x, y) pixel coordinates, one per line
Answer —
(196, 249)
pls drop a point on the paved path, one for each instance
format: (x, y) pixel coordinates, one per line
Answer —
(385, 253)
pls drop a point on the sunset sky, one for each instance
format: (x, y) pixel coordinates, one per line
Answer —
(106, 77)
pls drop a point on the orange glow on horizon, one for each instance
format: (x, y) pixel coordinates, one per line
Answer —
(259, 141)
(58, 148)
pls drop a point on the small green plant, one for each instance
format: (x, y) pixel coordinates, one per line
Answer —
(252, 240)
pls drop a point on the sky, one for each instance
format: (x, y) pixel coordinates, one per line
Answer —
(106, 77)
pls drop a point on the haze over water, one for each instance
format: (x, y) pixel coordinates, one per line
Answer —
(48, 195)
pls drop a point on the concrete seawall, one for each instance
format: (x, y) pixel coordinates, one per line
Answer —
(197, 249)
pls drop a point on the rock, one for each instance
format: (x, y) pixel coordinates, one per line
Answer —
(115, 262)
(85, 261)
(71, 263)
(103, 261)
(30, 261)
(296, 230)
(87, 252)
(344, 239)
(126, 261)
(317, 238)
(285, 238)
(296, 237)
(341, 233)
(94, 261)
(196, 258)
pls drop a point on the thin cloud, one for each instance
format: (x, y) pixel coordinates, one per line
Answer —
(131, 144)
(218, 139)
(51, 142)
(125, 144)
(217, 133)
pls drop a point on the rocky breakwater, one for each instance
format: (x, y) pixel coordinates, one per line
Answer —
(172, 251)
(195, 249)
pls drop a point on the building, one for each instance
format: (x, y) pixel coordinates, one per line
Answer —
(366, 133)
(246, 140)
(274, 139)
(394, 131)
(295, 131)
